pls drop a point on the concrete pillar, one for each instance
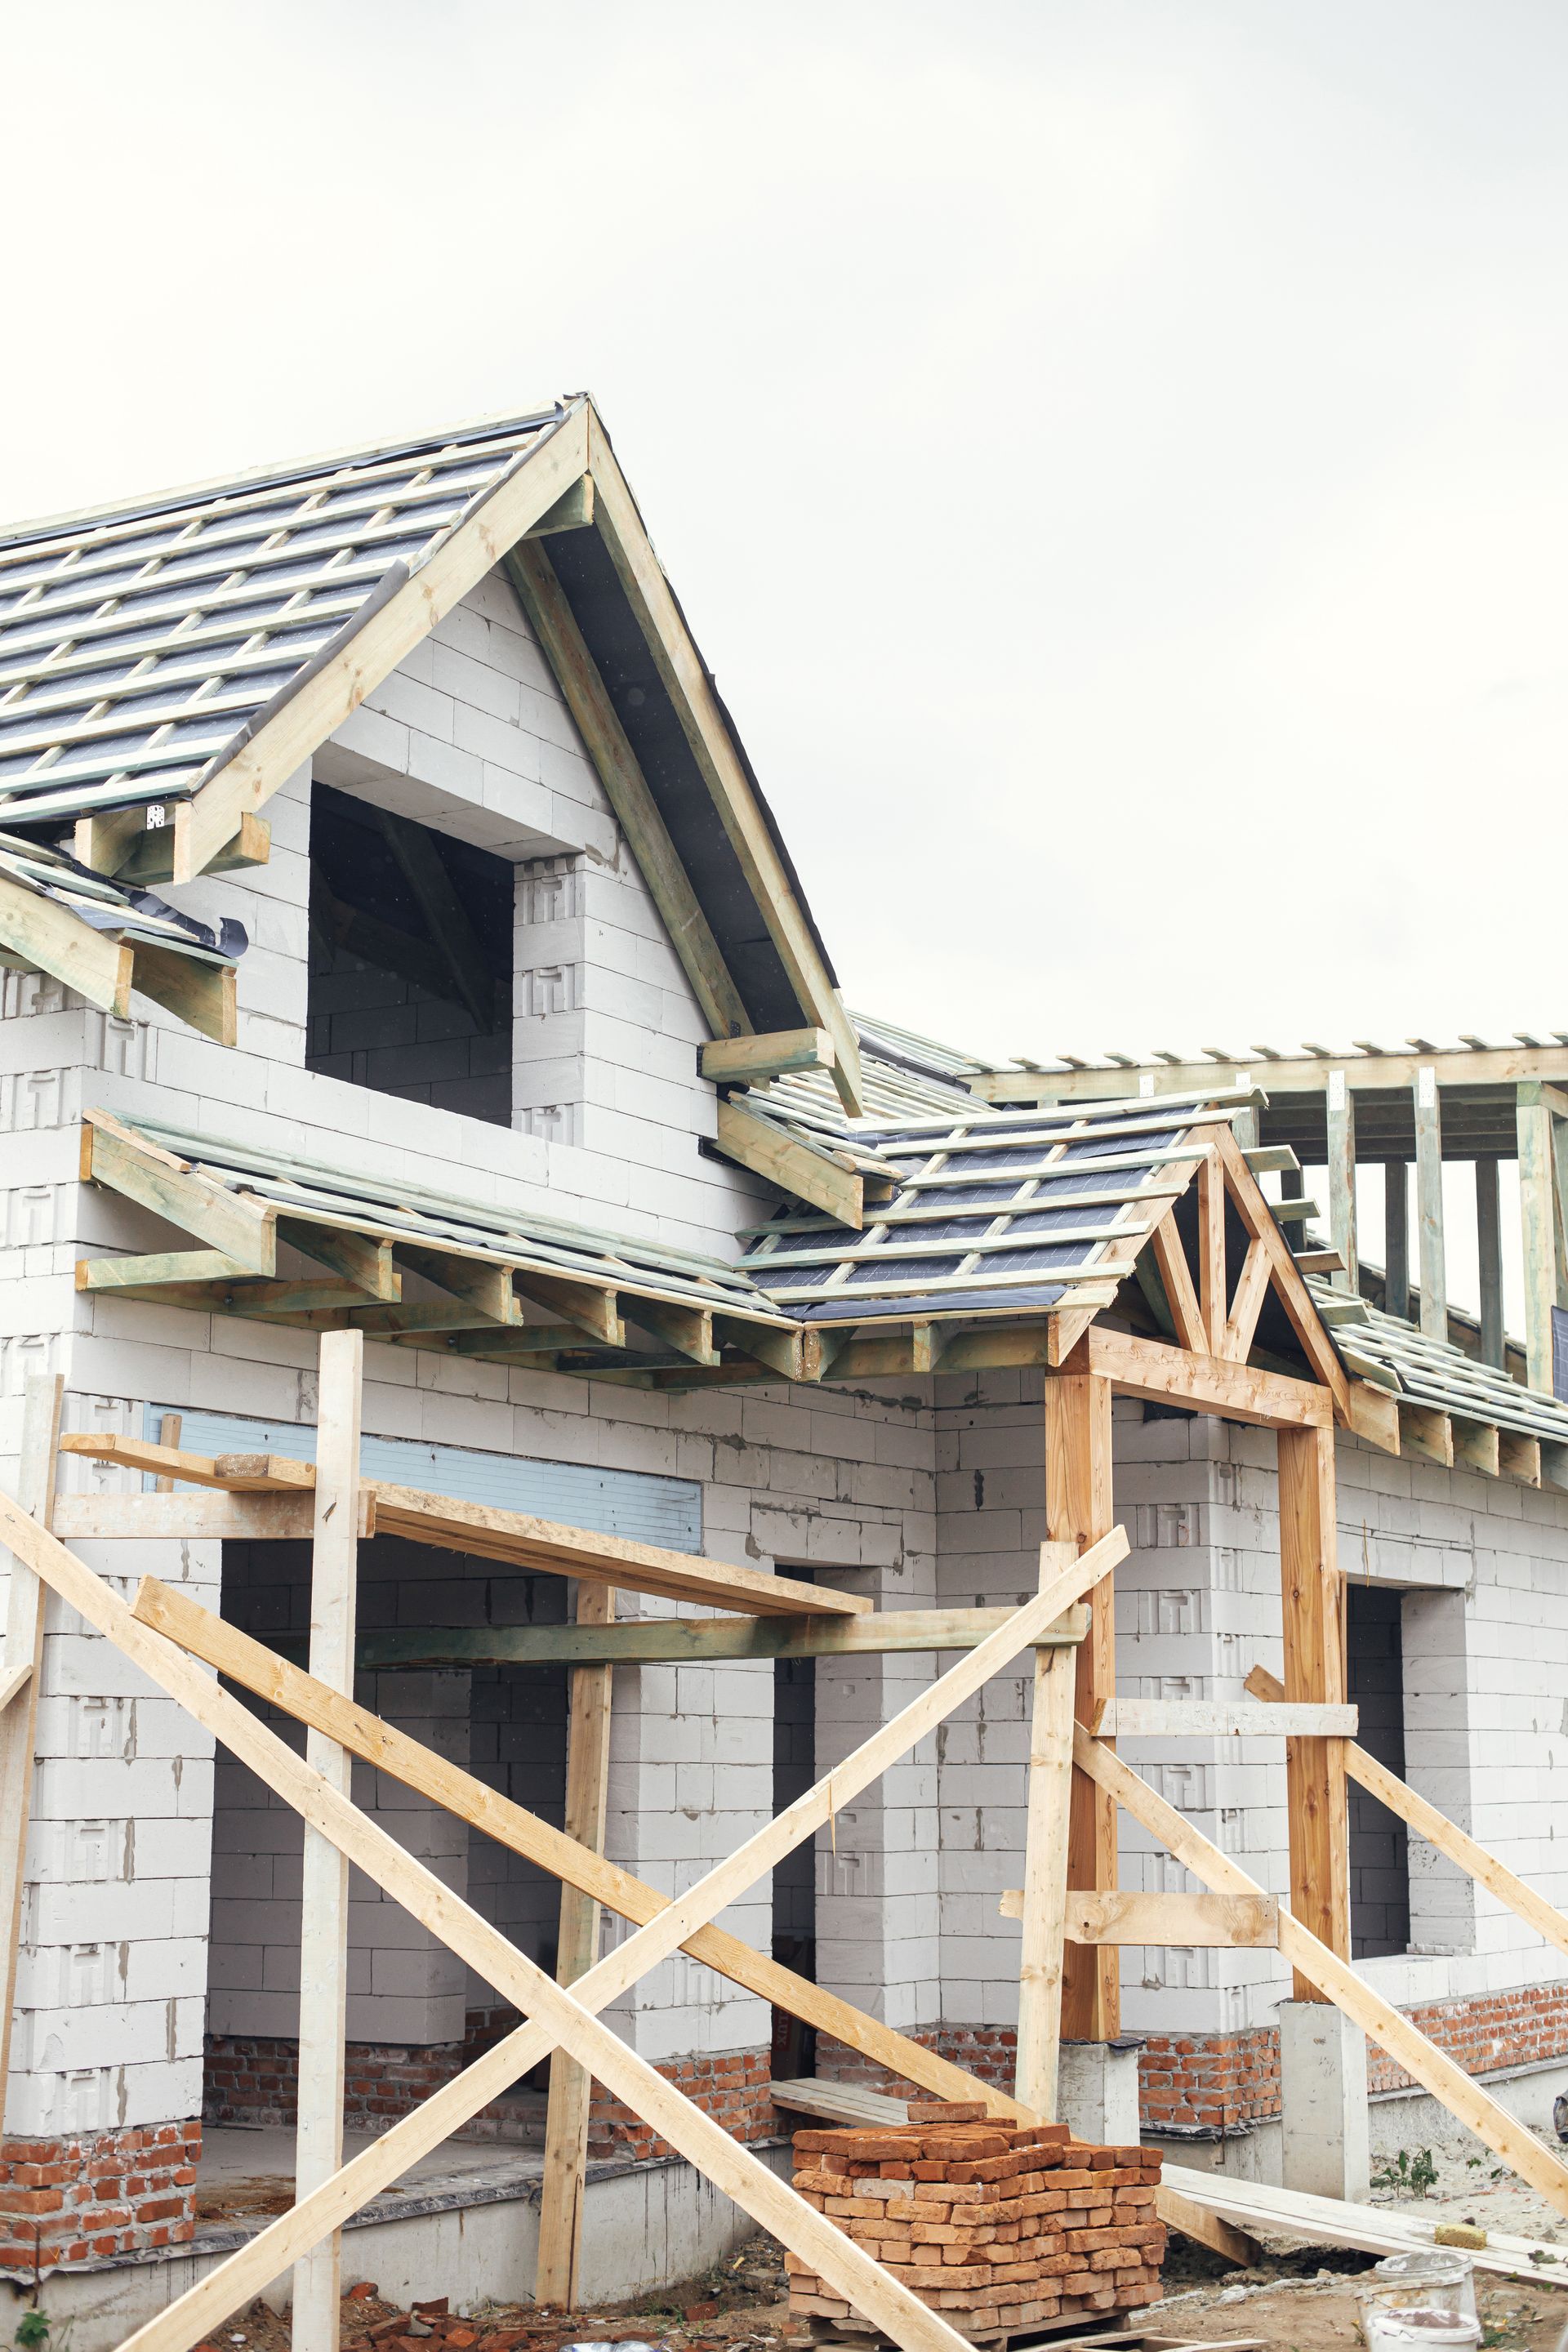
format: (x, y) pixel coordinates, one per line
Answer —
(1097, 2092)
(1323, 2094)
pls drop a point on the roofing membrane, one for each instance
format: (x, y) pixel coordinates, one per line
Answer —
(139, 650)
(124, 912)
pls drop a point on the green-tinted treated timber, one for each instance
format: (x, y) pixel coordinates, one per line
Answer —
(810, 1171)
(533, 576)
(734, 1061)
(360, 1259)
(153, 1272)
(688, 1330)
(693, 1638)
(120, 844)
(204, 995)
(1430, 1204)
(573, 510)
(1488, 1250)
(1396, 1238)
(41, 935)
(211, 1213)
(1538, 1219)
(788, 1353)
(1341, 1177)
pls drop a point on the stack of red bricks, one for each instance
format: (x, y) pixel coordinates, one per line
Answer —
(997, 2226)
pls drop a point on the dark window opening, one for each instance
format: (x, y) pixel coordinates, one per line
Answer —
(795, 1878)
(411, 948)
(1380, 1866)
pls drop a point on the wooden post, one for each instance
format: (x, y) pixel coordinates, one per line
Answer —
(1430, 1204)
(1212, 1284)
(1045, 1884)
(1538, 1218)
(1313, 1608)
(566, 2115)
(324, 1914)
(1397, 1237)
(1488, 1250)
(1078, 1510)
(1341, 1118)
(24, 1646)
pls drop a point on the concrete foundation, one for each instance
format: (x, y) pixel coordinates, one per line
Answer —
(1324, 2101)
(1097, 2093)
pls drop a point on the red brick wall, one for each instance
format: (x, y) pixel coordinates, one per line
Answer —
(1223, 2080)
(1498, 2030)
(732, 2088)
(97, 2193)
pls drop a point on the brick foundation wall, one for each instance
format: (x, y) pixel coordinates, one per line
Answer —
(732, 2088)
(97, 2193)
(990, 2052)
(1484, 2036)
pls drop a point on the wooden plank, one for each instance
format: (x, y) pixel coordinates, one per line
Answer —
(558, 2017)
(1205, 1384)
(1079, 1511)
(1397, 1237)
(238, 1472)
(324, 1906)
(41, 1403)
(156, 1181)
(1258, 1218)
(1247, 1922)
(688, 1330)
(696, 706)
(1334, 1979)
(1313, 1601)
(682, 1639)
(1211, 1255)
(573, 510)
(1206, 2229)
(300, 724)
(14, 1680)
(577, 1948)
(1251, 1290)
(257, 1668)
(1519, 1455)
(1043, 1890)
(590, 1305)
(636, 813)
(1425, 1434)
(1430, 1204)
(736, 1061)
(839, 2103)
(784, 1352)
(185, 1518)
(361, 1258)
(554, 2015)
(1438, 1830)
(1538, 1219)
(157, 1269)
(40, 935)
(1340, 1117)
(1475, 1444)
(1488, 1250)
(810, 1173)
(205, 996)
(120, 844)
(1179, 1295)
(1222, 1718)
(1374, 1414)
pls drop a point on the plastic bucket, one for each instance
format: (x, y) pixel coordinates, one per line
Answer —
(1416, 2327)
(1441, 2278)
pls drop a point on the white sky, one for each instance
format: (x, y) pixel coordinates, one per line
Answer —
(1113, 454)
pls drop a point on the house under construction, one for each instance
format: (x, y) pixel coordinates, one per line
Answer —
(882, 1574)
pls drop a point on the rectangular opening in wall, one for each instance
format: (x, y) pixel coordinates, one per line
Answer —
(1380, 1865)
(411, 960)
(795, 1878)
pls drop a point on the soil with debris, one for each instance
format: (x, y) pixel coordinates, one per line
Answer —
(1318, 2312)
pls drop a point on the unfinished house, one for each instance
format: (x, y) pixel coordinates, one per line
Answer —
(661, 1465)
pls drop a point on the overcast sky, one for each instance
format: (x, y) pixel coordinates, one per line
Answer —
(1115, 453)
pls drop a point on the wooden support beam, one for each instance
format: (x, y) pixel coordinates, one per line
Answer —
(1341, 1178)
(1475, 1444)
(24, 1658)
(1397, 1237)
(1212, 1280)
(1313, 1610)
(1425, 1434)
(1079, 1510)
(1043, 1890)
(593, 1311)
(573, 510)
(1440, 1833)
(786, 1353)
(195, 1518)
(324, 1910)
(1203, 1383)
(204, 995)
(1538, 1219)
(1430, 1204)
(1190, 1922)
(690, 1640)
(1488, 1250)
(1374, 1414)
(566, 2115)
(1181, 1297)
(121, 843)
(37, 934)
(688, 1330)
(159, 1269)
(1262, 1225)
(156, 1180)
(813, 1173)
(1518, 1456)
(1221, 1719)
(360, 1259)
(737, 1061)
(1332, 1978)
(1247, 1305)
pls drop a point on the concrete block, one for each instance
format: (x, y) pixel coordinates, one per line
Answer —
(1324, 2101)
